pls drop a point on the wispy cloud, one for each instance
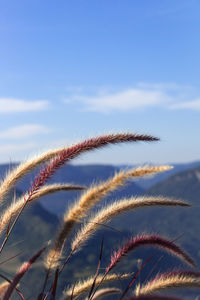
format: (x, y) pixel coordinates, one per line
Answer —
(144, 95)
(12, 105)
(193, 105)
(133, 98)
(23, 131)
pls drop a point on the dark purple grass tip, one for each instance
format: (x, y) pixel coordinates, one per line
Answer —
(87, 145)
(148, 240)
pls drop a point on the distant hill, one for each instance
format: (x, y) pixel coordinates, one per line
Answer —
(34, 229)
(177, 168)
(171, 221)
(83, 175)
(181, 224)
(88, 174)
(184, 185)
(175, 223)
(38, 225)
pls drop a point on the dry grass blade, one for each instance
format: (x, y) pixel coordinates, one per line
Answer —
(148, 240)
(115, 209)
(15, 207)
(135, 277)
(91, 197)
(23, 269)
(166, 281)
(54, 286)
(10, 258)
(104, 292)
(84, 286)
(97, 271)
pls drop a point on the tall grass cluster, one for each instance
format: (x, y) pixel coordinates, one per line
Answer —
(53, 256)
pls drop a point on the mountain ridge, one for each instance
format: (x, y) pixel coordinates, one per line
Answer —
(174, 223)
(90, 174)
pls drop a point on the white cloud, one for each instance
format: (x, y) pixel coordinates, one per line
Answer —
(11, 105)
(142, 96)
(133, 98)
(194, 105)
(23, 131)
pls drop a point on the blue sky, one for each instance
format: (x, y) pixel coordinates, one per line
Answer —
(70, 70)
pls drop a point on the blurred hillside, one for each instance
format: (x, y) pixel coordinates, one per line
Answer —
(37, 226)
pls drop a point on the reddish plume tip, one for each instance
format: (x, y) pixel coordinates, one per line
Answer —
(148, 240)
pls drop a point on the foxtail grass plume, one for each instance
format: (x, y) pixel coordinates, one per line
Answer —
(105, 292)
(16, 206)
(95, 193)
(87, 145)
(190, 273)
(24, 168)
(166, 281)
(84, 286)
(148, 240)
(54, 160)
(90, 198)
(114, 210)
(3, 288)
(61, 156)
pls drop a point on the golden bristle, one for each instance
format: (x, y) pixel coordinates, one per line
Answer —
(24, 168)
(115, 209)
(84, 286)
(95, 194)
(174, 281)
(15, 207)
